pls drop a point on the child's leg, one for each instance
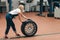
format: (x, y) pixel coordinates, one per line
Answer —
(8, 20)
(8, 25)
(14, 29)
(13, 26)
(7, 29)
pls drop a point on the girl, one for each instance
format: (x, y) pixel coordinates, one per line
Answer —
(10, 15)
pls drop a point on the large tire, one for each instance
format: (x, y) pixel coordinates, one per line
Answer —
(31, 30)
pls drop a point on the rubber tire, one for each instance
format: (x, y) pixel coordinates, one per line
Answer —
(23, 28)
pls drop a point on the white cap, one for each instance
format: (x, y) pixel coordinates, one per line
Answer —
(21, 1)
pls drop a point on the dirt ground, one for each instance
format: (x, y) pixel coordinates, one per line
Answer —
(48, 28)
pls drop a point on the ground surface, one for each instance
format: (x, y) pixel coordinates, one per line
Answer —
(48, 28)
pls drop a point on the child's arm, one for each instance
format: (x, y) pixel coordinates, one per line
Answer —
(19, 16)
(23, 15)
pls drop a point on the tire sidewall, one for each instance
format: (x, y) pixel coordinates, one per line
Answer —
(23, 28)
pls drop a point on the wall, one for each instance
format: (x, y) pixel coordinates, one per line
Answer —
(15, 4)
(3, 0)
(27, 5)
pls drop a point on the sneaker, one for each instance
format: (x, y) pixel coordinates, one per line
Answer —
(6, 37)
(17, 35)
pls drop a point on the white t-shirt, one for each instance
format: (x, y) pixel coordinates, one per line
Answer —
(15, 11)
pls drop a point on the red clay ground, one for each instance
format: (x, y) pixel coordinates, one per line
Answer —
(48, 28)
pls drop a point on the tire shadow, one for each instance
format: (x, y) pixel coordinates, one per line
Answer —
(35, 35)
(20, 37)
(39, 35)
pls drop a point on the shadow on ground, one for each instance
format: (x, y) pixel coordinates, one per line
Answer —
(35, 35)
(32, 36)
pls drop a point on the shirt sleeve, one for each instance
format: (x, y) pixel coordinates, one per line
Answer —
(19, 11)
